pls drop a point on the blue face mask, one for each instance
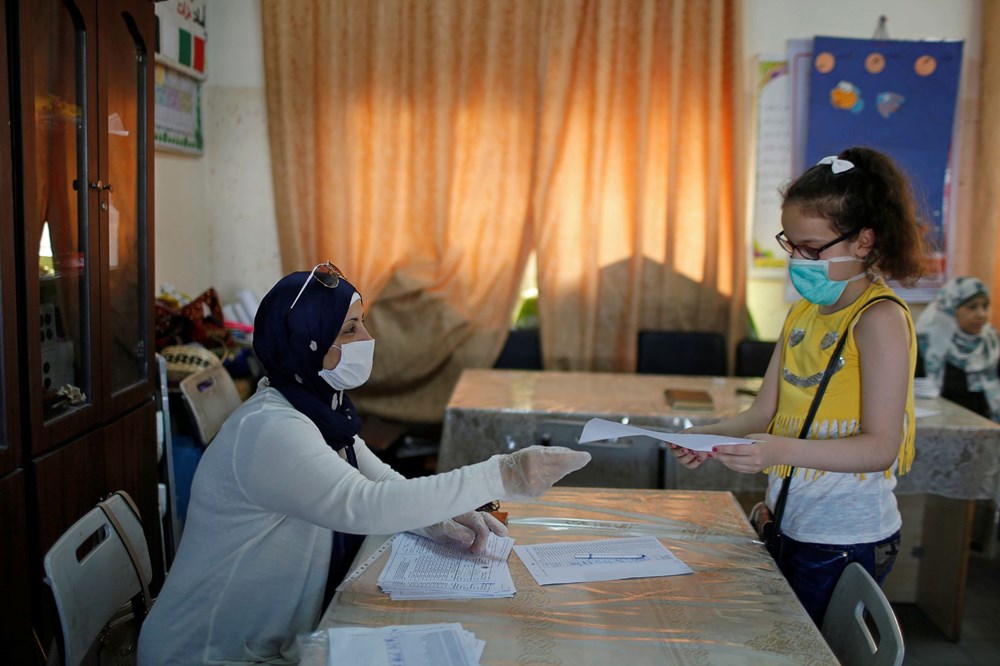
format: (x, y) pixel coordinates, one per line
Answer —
(812, 279)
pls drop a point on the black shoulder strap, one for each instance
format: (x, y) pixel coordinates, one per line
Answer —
(779, 507)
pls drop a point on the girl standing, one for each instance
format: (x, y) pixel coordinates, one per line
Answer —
(848, 223)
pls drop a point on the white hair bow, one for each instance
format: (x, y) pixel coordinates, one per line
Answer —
(837, 165)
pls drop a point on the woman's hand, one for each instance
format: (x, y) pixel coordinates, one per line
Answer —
(470, 530)
(529, 472)
(746, 458)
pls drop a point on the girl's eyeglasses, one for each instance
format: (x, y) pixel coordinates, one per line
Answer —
(811, 253)
(326, 274)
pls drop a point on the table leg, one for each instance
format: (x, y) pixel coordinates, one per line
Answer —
(944, 566)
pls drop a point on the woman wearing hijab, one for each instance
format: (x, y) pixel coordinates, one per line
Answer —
(960, 348)
(282, 498)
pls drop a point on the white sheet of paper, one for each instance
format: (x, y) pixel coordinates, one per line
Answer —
(445, 644)
(552, 563)
(596, 430)
(924, 387)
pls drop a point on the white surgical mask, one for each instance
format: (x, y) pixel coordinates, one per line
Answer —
(354, 368)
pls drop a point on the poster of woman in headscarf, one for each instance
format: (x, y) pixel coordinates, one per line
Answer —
(895, 96)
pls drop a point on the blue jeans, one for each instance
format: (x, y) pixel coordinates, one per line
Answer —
(813, 569)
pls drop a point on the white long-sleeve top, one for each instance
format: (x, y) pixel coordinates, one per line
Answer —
(251, 568)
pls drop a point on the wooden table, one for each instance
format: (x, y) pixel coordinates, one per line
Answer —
(736, 608)
(957, 461)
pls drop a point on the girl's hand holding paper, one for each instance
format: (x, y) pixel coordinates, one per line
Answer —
(747, 458)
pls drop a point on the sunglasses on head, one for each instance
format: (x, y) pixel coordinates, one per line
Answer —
(327, 274)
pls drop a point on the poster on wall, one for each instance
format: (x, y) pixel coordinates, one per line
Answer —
(181, 37)
(177, 116)
(895, 96)
(773, 165)
(798, 54)
(181, 40)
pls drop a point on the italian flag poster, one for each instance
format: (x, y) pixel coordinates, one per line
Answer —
(181, 36)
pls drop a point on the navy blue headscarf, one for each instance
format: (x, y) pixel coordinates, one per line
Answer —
(291, 345)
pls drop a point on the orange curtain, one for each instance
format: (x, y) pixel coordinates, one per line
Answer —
(978, 233)
(422, 145)
(638, 207)
(402, 136)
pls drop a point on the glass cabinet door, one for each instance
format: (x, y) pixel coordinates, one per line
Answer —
(57, 193)
(124, 202)
(10, 444)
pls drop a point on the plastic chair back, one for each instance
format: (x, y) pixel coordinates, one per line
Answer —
(681, 353)
(211, 396)
(92, 575)
(521, 351)
(856, 597)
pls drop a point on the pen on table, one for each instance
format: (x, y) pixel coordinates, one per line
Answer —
(609, 556)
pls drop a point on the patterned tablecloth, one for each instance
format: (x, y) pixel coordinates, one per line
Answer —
(495, 411)
(735, 609)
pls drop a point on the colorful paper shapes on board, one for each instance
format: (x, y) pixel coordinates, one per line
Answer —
(925, 65)
(888, 103)
(846, 96)
(825, 62)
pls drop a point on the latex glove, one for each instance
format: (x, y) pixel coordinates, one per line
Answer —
(470, 530)
(530, 472)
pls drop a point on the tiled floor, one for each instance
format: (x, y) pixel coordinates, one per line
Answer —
(980, 644)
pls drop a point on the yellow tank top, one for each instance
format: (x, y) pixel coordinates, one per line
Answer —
(809, 340)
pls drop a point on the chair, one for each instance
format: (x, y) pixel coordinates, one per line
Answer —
(753, 357)
(521, 351)
(681, 353)
(211, 396)
(856, 603)
(93, 571)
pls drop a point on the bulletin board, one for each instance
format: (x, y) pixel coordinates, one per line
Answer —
(773, 165)
(895, 96)
(177, 117)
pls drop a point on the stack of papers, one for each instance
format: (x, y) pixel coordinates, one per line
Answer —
(446, 644)
(606, 559)
(418, 568)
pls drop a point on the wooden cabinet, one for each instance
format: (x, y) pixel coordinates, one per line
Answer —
(107, 458)
(15, 595)
(11, 452)
(86, 137)
(76, 267)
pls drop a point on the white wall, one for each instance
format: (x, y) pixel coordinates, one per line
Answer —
(223, 232)
(769, 23)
